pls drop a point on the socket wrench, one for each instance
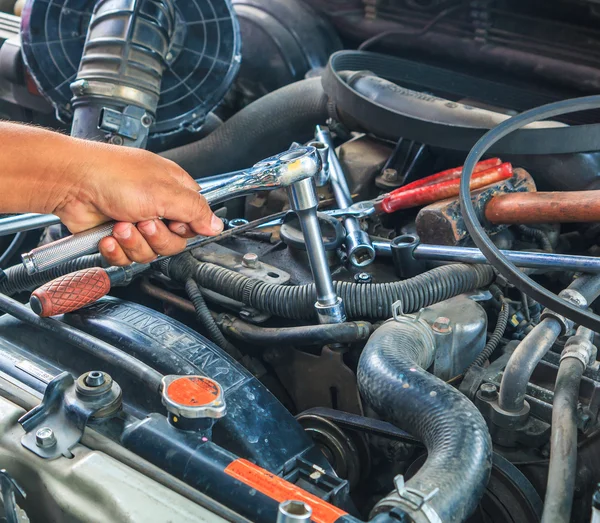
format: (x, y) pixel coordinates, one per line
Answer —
(272, 173)
(358, 244)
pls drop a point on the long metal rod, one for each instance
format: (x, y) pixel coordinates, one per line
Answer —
(358, 244)
(28, 222)
(529, 260)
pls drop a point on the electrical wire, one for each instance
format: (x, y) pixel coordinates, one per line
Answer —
(507, 269)
(442, 15)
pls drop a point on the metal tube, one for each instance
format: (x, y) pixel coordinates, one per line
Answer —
(358, 244)
(530, 260)
(27, 222)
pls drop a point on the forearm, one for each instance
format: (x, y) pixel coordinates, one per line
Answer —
(37, 168)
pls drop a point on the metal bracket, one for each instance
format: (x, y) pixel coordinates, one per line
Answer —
(56, 425)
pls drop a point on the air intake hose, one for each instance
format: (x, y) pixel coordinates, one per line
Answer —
(117, 89)
(265, 127)
(372, 301)
(392, 380)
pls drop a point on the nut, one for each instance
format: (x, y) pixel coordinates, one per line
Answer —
(363, 277)
(390, 175)
(94, 378)
(488, 391)
(45, 438)
(442, 325)
(250, 260)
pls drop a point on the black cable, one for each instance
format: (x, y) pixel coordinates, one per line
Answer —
(207, 321)
(496, 336)
(12, 248)
(480, 237)
(442, 15)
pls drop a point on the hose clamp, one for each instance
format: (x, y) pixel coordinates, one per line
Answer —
(580, 348)
(572, 296)
(412, 501)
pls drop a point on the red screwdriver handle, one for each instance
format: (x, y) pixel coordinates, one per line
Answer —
(70, 292)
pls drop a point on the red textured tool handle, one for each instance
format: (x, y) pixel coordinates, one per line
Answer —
(440, 191)
(70, 292)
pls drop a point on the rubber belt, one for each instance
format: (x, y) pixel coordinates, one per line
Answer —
(389, 123)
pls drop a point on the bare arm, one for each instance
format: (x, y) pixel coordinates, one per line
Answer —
(88, 183)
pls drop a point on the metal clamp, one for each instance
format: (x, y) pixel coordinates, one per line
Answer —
(412, 501)
(56, 425)
(580, 347)
(571, 296)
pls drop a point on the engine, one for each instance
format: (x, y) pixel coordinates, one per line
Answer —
(397, 322)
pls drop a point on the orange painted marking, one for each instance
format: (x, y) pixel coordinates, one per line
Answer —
(281, 490)
(193, 392)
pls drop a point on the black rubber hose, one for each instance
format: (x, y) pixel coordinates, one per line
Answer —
(206, 320)
(562, 471)
(537, 234)
(350, 332)
(18, 280)
(98, 348)
(265, 127)
(392, 380)
(363, 300)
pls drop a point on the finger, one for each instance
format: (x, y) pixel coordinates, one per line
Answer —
(112, 252)
(182, 176)
(181, 229)
(193, 209)
(160, 239)
(132, 242)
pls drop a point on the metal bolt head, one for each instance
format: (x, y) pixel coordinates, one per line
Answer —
(45, 438)
(442, 325)
(94, 378)
(116, 140)
(250, 260)
(293, 511)
(390, 175)
(488, 391)
(363, 277)
(146, 120)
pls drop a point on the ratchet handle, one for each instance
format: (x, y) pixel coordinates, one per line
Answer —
(70, 292)
(67, 249)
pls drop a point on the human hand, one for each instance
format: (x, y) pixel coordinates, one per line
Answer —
(135, 188)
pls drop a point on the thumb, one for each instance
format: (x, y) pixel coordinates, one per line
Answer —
(190, 207)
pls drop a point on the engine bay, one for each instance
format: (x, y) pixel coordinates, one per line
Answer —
(397, 322)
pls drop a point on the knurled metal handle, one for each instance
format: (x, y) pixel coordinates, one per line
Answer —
(67, 249)
(70, 292)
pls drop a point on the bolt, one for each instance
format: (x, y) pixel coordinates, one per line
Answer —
(363, 277)
(45, 438)
(293, 510)
(442, 325)
(488, 391)
(116, 140)
(250, 260)
(146, 120)
(169, 56)
(390, 175)
(94, 378)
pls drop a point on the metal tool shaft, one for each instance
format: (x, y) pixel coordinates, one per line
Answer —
(303, 200)
(530, 260)
(358, 244)
(278, 171)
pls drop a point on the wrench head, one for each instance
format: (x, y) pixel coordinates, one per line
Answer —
(292, 166)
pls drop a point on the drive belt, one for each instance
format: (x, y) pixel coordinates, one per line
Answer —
(386, 121)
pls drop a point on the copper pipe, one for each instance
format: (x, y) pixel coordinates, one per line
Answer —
(544, 207)
(168, 297)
